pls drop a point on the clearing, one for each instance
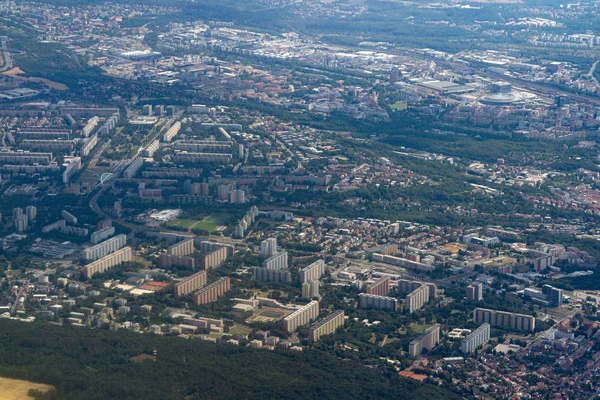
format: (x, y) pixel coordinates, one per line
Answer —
(16, 389)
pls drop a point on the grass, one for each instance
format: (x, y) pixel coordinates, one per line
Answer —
(16, 389)
(418, 328)
(398, 106)
(209, 223)
(239, 330)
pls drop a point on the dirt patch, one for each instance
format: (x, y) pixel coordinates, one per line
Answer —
(13, 72)
(17, 72)
(16, 389)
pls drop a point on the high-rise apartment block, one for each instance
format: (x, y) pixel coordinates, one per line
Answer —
(310, 289)
(506, 320)
(426, 340)
(268, 247)
(378, 302)
(107, 262)
(417, 298)
(211, 292)
(190, 283)
(478, 337)
(183, 248)
(326, 326)
(381, 287)
(301, 317)
(312, 272)
(269, 275)
(102, 234)
(104, 248)
(31, 212)
(475, 291)
(277, 261)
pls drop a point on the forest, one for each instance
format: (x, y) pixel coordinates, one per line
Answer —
(95, 364)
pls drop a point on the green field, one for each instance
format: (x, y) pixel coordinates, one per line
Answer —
(418, 328)
(398, 106)
(239, 330)
(209, 223)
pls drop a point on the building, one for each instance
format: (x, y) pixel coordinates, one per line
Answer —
(417, 298)
(183, 248)
(172, 132)
(301, 317)
(378, 302)
(107, 262)
(22, 223)
(381, 287)
(133, 168)
(310, 290)
(102, 234)
(215, 258)
(211, 292)
(475, 291)
(31, 212)
(237, 197)
(104, 248)
(152, 148)
(312, 272)
(67, 216)
(277, 261)
(506, 320)
(268, 247)
(326, 325)
(166, 261)
(269, 275)
(478, 337)
(554, 295)
(426, 340)
(190, 283)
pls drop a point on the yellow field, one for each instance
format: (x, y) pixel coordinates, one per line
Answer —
(16, 389)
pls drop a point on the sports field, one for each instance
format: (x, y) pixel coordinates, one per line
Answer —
(16, 389)
(209, 223)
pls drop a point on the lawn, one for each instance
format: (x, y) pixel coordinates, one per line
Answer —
(418, 328)
(209, 223)
(239, 330)
(183, 223)
(398, 106)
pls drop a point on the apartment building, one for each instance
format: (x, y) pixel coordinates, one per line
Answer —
(104, 248)
(277, 261)
(474, 291)
(301, 317)
(211, 292)
(378, 302)
(417, 298)
(183, 248)
(107, 262)
(102, 234)
(426, 340)
(269, 275)
(381, 287)
(326, 325)
(504, 319)
(190, 283)
(312, 272)
(478, 337)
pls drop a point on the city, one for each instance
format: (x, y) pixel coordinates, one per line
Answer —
(401, 197)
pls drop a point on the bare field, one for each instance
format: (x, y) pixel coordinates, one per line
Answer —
(16, 389)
